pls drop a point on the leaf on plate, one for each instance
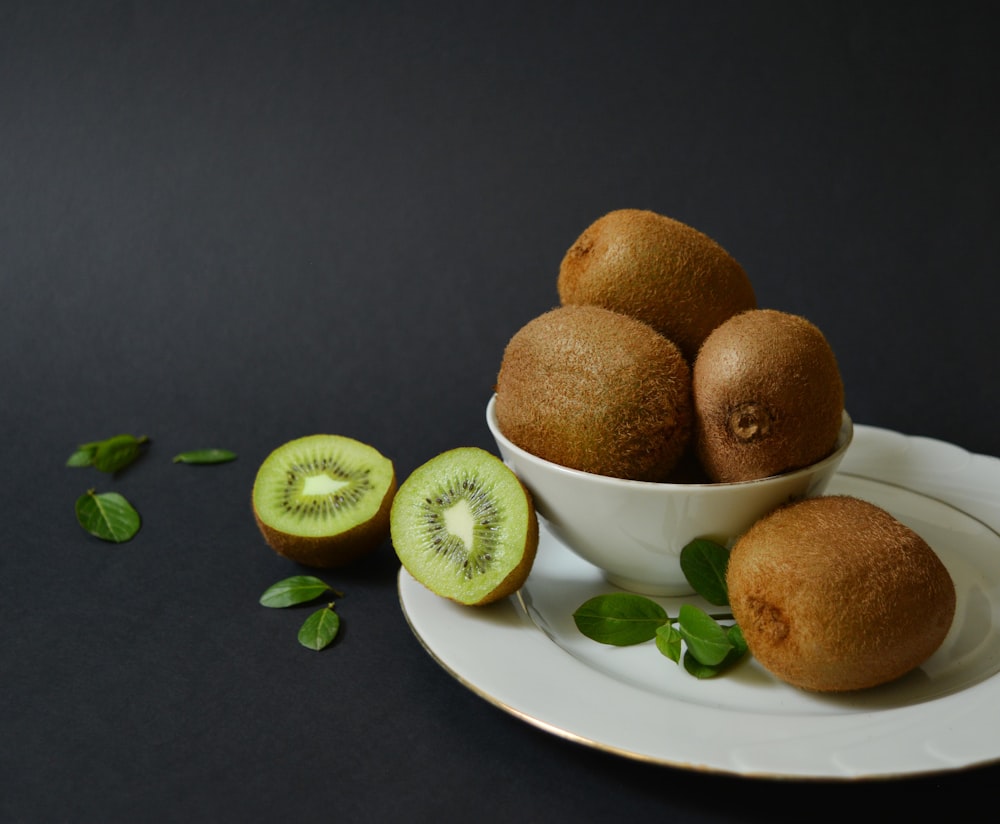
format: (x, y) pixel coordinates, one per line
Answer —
(703, 563)
(706, 639)
(700, 670)
(700, 661)
(735, 636)
(620, 618)
(668, 642)
(108, 516)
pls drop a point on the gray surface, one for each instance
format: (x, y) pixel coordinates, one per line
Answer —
(234, 224)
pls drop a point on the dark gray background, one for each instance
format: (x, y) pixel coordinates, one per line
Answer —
(232, 224)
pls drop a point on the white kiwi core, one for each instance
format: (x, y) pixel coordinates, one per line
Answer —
(322, 484)
(459, 522)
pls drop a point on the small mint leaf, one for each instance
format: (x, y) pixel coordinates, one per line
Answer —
(668, 642)
(83, 456)
(620, 618)
(320, 628)
(299, 589)
(736, 654)
(705, 637)
(108, 516)
(114, 454)
(735, 636)
(703, 563)
(205, 456)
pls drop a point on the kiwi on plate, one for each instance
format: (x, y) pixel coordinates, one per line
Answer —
(324, 500)
(834, 594)
(768, 396)
(659, 270)
(596, 390)
(465, 527)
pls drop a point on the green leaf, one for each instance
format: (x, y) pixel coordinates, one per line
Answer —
(739, 650)
(298, 589)
(108, 516)
(320, 628)
(668, 642)
(620, 618)
(706, 638)
(735, 636)
(116, 453)
(703, 563)
(205, 456)
(84, 455)
(699, 670)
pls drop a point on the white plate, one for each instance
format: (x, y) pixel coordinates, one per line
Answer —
(526, 656)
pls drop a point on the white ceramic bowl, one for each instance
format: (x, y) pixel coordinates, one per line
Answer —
(634, 531)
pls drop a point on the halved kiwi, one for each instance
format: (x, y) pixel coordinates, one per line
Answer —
(465, 527)
(324, 500)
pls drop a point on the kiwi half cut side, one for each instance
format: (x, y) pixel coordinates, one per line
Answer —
(465, 527)
(324, 500)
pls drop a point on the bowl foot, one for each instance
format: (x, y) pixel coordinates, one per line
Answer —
(662, 590)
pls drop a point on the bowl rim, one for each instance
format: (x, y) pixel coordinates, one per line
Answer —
(844, 439)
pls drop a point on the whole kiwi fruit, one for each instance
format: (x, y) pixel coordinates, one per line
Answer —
(768, 396)
(465, 527)
(834, 594)
(597, 391)
(323, 500)
(658, 270)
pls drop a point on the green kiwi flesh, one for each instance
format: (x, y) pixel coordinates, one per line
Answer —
(768, 396)
(597, 391)
(835, 594)
(324, 500)
(465, 527)
(658, 270)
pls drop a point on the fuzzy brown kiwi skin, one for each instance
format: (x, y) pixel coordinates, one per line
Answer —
(658, 270)
(596, 391)
(834, 594)
(330, 552)
(768, 396)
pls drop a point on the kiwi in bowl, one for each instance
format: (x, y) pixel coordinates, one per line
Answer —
(768, 396)
(618, 437)
(595, 390)
(659, 270)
